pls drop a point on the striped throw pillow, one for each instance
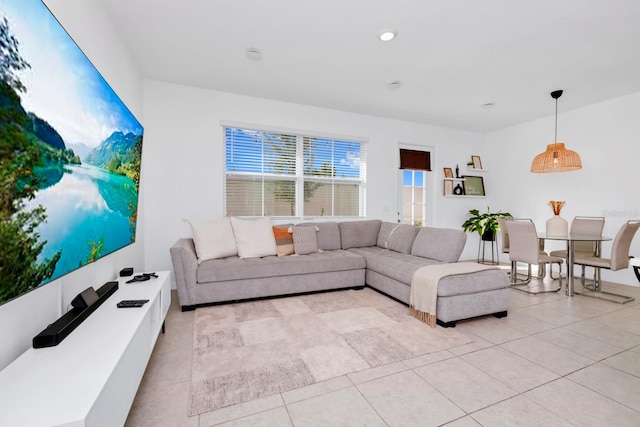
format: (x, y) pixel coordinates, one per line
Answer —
(284, 241)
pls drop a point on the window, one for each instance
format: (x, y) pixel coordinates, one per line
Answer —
(288, 175)
(415, 166)
(413, 197)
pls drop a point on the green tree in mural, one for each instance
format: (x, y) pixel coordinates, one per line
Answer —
(19, 271)
(95, 251)
(135, 176)
(10, 60)
(19, 239)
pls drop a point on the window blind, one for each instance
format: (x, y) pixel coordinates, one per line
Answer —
(414, 159)
(282, 174)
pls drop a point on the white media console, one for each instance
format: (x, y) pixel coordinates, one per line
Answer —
(92, 376)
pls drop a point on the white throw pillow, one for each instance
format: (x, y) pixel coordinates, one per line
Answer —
(213, 239)
(254, 237)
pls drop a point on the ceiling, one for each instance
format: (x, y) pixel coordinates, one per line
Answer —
(452, 56)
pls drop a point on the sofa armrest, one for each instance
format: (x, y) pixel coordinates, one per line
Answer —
(185, 265)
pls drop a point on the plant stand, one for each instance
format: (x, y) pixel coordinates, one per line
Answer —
(489, 237)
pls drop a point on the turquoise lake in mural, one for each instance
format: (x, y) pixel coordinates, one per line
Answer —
(78, 206)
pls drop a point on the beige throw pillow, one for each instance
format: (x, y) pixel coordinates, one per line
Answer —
(305, 240)
(254, 237)
(213, 239)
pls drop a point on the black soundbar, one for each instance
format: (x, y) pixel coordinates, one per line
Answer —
(58, 330)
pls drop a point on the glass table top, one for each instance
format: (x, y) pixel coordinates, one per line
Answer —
(576, 237)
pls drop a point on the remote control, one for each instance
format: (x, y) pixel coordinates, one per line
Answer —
(142, 277)
(132, 303)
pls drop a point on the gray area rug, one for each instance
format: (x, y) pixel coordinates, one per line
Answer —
(250, 350)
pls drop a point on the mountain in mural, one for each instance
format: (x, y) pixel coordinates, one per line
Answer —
(80, 149)
(46, 133)
(119, 153)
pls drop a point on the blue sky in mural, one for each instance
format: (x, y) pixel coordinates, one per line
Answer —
(88, 110)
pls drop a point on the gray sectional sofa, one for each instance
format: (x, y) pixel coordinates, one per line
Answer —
(381, 255)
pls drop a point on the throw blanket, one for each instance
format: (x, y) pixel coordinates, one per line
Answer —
(424, 286)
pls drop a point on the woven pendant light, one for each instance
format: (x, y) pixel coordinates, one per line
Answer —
(556, 158)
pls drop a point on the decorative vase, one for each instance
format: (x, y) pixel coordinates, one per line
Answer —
(556, 225)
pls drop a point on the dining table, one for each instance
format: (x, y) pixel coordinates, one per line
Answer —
(570, 239)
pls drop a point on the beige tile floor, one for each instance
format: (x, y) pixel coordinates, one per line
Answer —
(554, 361)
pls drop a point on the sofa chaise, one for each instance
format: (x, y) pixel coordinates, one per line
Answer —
(351, 254)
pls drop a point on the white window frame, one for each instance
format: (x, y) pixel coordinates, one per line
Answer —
(299, 176)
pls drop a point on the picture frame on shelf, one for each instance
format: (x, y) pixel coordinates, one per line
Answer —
(473, 185)
(448, 172)
(477, 162)
(447, 188)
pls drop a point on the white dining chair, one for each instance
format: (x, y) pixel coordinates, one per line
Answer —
(524, 247)
(619, 260)
(588, 225)
(505, 246)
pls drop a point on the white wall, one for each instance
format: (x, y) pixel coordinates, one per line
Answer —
(606, 137)
(184, 157)
(24, 317)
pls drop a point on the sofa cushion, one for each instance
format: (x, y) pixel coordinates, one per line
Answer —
(358, 234)
(213, 239)
(392, 264)
(254, 237)
(305, 240)
(397, 237)
(284, 241)
(328, 234)
(472, 283)
(235, 268)
(441, 244)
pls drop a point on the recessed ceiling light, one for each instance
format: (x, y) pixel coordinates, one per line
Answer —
(394, 85)
(387, 35)
(253, 53)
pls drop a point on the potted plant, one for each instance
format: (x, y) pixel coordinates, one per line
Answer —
(485, 224)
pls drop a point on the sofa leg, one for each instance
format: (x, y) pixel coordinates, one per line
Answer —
(188, 308)
(446, 324)
(500, 314)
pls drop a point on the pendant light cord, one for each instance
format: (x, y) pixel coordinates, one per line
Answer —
(555, 95)
(555, 135)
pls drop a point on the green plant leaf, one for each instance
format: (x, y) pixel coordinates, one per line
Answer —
(484, 222)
